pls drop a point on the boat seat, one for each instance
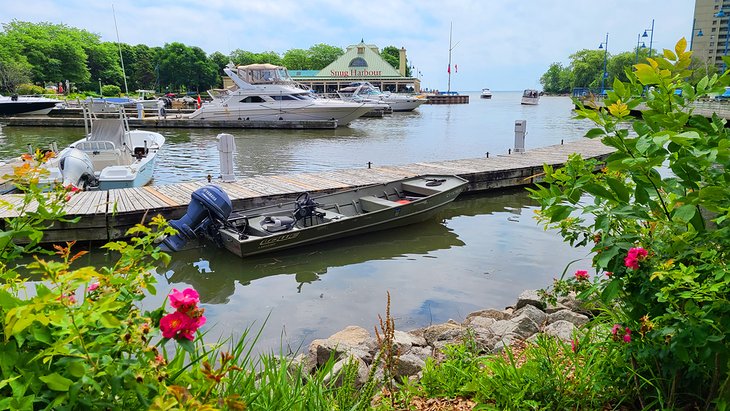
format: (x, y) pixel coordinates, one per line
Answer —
(419, 187)
(95, 146)
(372, 203)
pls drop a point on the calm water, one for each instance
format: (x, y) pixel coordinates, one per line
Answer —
(481, 251)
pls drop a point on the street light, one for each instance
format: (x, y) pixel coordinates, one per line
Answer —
(605, 59)
(100, 93)
(722, 14)
(643, 46)
(692, 37)
(651, 39)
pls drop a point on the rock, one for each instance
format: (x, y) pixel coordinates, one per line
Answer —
(362, 371)
(404, 341)
(529, 297)
(561, 329)
(443, 332)
(522, 326)
(409, 364)
(488, 313)
(567, 315)
(531, 312)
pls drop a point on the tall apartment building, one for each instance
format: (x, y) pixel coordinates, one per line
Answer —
(710, 40)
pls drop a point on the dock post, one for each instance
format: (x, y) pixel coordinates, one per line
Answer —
(520, 131)
(140, 110)
(226, 147)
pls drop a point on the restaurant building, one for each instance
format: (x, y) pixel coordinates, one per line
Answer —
(361, 62)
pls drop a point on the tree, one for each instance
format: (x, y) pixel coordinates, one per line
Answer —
(557, 79)
(54, 51)
(321, 55)
(618, 64)
(183, 67)
(587, 68)
(296, 59)
(103, 63)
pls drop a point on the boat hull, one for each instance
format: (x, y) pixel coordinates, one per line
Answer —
(334, 225)
(344, 114)
(10, 108)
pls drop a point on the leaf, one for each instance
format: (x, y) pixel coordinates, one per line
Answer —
(619, 187)
(186, 345)
(595, 132)
(684, 213)
(8, 300)
(56, 382)
(646, 74)
(108, 320)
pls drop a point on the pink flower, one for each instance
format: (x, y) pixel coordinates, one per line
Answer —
(633, 257)
(173, 325)
(93, 287)
(627, 336)
(615, 329)
(609, 274)
(574, 344)
(184, 300)
(581, 275)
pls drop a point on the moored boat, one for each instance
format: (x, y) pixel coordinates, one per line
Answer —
(110, 156)
(486, 93)
(309, 220)
(530, 97)
(22, 105)
(266, 92)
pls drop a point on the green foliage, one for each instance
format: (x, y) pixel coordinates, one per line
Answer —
(452, 377)
(111, 90)
(321, 55)
(29, 89)
(557, 80)
(666, 190)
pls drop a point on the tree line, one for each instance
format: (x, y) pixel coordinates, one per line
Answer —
(586, 70)
(46, 53)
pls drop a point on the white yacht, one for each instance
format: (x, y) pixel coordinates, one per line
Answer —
(486, 93)
(266, 92)
(530, 97)
(363, 91)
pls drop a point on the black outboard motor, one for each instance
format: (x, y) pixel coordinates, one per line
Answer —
(208, 205)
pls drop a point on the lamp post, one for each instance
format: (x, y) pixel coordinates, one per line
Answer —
(722, 14)
(100, 93)
(651, 39)
(692, 37)
(643, 46)
(604, 46)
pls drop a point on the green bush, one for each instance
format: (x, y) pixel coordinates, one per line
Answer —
(111, 90)
(656, 215)
(29, 90)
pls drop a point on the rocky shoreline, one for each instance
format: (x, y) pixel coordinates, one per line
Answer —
(491, 329)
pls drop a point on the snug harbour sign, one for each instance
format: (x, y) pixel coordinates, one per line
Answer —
(355, 73)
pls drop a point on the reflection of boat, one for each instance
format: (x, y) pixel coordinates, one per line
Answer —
(110, 156)
(363, 91)
(311, 220)
(12, 105)
(214, 274)
(530, 97)
(486, 93)
(266, 92)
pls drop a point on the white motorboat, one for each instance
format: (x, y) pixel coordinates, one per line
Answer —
(266, 92)
(15, 105)
(110, 156)
(530, 97)
(486, 93)
(363, 91)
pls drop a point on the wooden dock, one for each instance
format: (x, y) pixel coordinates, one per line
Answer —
(174, 121)
(447, 99)
(106, 215)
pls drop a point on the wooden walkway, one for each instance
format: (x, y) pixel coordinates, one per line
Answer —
(106, 215)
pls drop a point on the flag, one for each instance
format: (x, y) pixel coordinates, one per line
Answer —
(456, 68)
(200, 103)
(448, 70)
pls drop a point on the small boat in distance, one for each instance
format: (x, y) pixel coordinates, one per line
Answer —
(530, 97)
(266, 92)
(309, 220)
(22, 105)
(110, 156)
(486, 93)
(363, 91)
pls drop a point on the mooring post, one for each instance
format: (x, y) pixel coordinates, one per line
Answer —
(520, 131)
(140, 110)
(226, 147)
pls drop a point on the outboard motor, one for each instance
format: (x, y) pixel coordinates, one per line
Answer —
(76, 168)
(208, 205)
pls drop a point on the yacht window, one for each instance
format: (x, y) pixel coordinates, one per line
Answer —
(358, 62)
(253, 99)
(284, 97)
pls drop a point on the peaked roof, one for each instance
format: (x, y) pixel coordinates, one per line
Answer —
(359, 59)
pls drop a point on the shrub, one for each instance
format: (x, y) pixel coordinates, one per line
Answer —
(656, 214)
(29, 89)
(111, 90)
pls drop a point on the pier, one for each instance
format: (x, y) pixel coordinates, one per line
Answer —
(107, 215)
(447, 99)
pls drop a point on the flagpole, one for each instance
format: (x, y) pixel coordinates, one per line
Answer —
(448, 89)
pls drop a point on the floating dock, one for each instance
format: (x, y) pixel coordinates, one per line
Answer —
(447, 99)
(107, 215)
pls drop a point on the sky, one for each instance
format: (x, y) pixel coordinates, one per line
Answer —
(496, 44)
